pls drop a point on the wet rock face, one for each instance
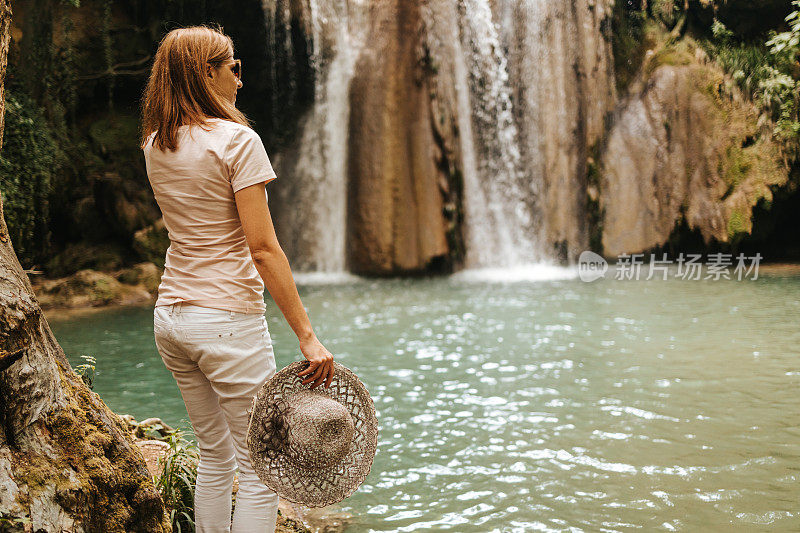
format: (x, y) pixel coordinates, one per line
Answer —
(560, 66)
(449, 118)
(683, 145)
(396, 220)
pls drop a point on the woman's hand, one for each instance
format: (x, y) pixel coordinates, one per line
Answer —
(321, 363)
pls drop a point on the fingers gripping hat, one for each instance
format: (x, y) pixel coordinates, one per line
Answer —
(312, 446)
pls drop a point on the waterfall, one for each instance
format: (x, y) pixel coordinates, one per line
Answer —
(316, 227)
(500, 196)
(502, 192)
(561, 67)
(540, 85)
(523, 87)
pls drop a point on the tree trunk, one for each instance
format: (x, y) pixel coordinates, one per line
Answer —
(67, 462)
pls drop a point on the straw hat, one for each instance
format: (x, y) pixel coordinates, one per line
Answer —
(313, 447)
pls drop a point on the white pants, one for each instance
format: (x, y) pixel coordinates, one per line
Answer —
(220, 359)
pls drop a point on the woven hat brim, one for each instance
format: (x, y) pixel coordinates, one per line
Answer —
(317, 487)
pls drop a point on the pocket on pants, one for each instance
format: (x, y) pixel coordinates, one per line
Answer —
(206, 332)
(241, 330)
(250, 330)
(161, 315)
(162, 325)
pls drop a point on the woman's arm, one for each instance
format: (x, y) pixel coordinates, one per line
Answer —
(272, 265)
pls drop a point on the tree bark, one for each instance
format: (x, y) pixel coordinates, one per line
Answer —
(67, 462)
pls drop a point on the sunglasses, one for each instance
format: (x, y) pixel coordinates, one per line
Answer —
(236, 68)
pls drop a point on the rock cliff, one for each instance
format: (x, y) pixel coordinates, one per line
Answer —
(396, 221)
(412, 136)
(684, 146)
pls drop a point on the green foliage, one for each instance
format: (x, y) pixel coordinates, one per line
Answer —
(767, 72)
(779, 89)
(10, 524)
(737, 224)
(87, 370)
(785, 45)
(28, 162)
(177, 480)
(743, 61)
(628, 42)
(721, 32)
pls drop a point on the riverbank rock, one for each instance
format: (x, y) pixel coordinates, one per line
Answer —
(685, 145)
(84, 255)
(151, 243)
(88, 288)
(145, 274)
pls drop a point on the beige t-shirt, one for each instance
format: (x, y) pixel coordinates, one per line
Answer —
(208, 262)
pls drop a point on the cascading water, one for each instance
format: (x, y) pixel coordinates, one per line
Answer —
(319, 170)
(500, 198)
(540, 84)
(560, 63)
(526, 85)
(502, 191)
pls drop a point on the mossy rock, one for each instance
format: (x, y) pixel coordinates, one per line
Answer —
(673, 54)
(96, 287)
(151, 243)
(739, 224)
(146, 274)
(88, 288)
(83, 255)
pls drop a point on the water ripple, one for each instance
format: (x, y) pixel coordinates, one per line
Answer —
(550, 405)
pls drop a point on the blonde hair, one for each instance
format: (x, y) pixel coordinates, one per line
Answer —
(178, 91)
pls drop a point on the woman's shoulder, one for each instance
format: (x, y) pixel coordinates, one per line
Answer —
(233, 133)
(238, 135)
(241, 132)
(213, 131)
(229, 124)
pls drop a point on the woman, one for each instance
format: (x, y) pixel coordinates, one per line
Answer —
(208, 171)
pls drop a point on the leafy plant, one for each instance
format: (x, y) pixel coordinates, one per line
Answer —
(13, 523)
(767, 72)
(780, 90)
(87, 370)
(177, 480)
(785, 45)
(30, 155)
